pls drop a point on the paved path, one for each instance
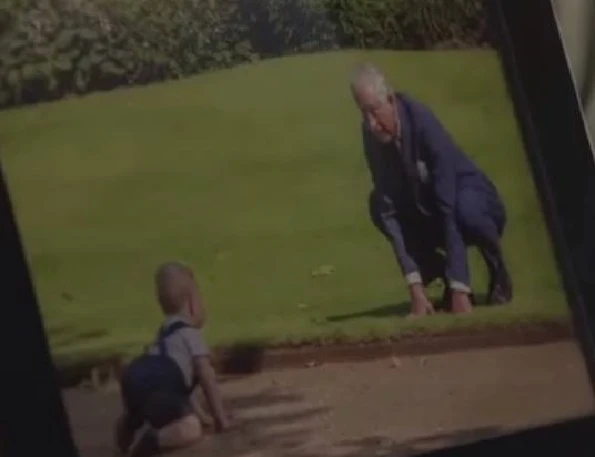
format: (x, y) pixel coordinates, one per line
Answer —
(387, 407)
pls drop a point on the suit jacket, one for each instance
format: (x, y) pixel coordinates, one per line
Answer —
(422, 177)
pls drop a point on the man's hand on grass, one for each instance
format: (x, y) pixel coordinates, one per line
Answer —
(460, 302)
(420, 305)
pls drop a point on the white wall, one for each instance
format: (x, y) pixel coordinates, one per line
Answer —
(576, 22)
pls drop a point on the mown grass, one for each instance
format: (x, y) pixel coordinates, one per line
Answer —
(256, 177)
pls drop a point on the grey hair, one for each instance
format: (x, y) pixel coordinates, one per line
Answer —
(369, 76)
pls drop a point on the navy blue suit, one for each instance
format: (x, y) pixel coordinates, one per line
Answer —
(430, 200)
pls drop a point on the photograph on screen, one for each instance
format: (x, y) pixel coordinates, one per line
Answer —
(282, 228)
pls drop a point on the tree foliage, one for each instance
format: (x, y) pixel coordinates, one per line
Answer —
(52, 48)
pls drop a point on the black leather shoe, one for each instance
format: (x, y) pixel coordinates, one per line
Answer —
(500, 291)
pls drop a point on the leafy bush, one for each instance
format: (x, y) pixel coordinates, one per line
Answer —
(409, 24)
(52, 48)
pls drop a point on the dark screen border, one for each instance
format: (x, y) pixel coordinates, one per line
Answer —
(33, 416)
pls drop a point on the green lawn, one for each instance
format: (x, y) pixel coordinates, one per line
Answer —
(256, 177)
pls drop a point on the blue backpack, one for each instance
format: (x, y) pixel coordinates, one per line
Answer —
(151, 373)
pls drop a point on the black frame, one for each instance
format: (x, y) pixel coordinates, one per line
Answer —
(34, 419)
(557, 145)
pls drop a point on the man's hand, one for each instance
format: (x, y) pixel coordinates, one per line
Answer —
(461, 303)
(420, 305)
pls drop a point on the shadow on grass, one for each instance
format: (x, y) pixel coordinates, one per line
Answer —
(380, 312)
(397, 310)
(249, 357)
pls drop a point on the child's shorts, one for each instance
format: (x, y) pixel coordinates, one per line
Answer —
(153, 391)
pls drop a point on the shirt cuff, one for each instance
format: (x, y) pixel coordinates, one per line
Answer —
(459, 287)
(413, 278)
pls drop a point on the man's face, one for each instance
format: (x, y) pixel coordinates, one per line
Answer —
(379, 115)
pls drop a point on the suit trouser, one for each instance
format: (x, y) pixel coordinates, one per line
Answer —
(481, 218)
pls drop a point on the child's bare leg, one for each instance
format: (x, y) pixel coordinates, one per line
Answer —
(126, 428)
(180, 433)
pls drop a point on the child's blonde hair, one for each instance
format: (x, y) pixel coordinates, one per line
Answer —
(175, 285)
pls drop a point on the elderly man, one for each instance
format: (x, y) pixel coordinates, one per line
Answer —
(429, 200)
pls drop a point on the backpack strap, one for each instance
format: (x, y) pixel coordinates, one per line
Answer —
(167, 331)
(170, 330)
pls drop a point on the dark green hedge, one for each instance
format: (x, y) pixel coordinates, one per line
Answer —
(52, 48)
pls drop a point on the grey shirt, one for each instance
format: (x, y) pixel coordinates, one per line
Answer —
(182, 346)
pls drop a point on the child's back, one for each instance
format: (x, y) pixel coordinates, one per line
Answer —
(156, 387)
(180, 340)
